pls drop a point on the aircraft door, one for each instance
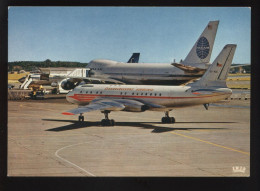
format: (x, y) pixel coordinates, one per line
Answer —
(88, 73)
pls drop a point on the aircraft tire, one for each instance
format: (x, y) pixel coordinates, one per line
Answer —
(81, 118)
(163, 119)
(168, 120)
(103, 122)
(107, 122)
(112, 122)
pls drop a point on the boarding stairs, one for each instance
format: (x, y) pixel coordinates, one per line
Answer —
(26, 82)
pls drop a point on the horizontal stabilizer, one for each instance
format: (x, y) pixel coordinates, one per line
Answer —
(189, 69)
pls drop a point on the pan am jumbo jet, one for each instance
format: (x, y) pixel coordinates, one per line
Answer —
(138, 98)
(194, 65)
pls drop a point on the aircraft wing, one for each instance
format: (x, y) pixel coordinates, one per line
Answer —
(115, 105)
(102, 105)
(189, 69)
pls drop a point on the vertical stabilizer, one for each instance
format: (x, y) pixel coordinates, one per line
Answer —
(202, 49)
(216, 74)
(134, 58)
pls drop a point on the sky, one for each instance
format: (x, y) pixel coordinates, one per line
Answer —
(160, 34)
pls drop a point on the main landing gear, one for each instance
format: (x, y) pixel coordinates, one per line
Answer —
(168, 119)
(106, 121)
(81, 117)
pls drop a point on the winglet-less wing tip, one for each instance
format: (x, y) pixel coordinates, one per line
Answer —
(67, 113)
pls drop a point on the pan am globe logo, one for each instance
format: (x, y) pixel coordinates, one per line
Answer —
(202, 49)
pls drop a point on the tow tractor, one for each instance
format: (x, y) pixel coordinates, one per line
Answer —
(37, 92)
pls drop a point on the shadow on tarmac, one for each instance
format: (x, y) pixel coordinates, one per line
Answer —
(145, 125)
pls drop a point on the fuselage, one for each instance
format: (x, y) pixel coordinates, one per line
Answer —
(167, 96)
(141, 73)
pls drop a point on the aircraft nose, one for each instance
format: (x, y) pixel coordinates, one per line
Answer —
(69, 96)
(229, 91)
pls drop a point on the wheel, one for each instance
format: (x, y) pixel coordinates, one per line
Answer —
(172, 120)
(163, 119)
(112, 122)
(168, 120)
(105, 122)
(81, 118)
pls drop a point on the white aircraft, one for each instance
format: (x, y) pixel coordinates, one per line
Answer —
(138, 98)
(58, 80)
(193, 66)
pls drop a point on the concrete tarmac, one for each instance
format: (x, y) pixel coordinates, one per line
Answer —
(202, 143)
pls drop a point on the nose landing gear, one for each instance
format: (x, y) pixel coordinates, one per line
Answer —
(81, 117)
(168, 119)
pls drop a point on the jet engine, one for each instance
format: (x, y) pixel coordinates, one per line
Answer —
(67, 85)
(133, 105)
(136, 108)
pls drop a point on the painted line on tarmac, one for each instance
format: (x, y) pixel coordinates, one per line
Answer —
(82, 169)
(210, 143)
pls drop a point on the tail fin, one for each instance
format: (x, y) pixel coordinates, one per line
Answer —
(201, 51)
(134, 58)
(216, 74)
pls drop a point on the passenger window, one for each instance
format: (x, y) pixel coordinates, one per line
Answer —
(91, 92)
(96, 92)
(141, 93)
(145, 93)
(160, 94)
(86, 92)
(80, 91)
(151, 94)
(155, 94)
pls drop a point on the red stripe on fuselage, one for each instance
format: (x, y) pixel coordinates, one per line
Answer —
(87, 97)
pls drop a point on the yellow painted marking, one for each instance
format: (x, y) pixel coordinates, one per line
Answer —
(194, 138)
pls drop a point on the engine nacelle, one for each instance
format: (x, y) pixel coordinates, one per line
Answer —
(136, 108)
(67, 85)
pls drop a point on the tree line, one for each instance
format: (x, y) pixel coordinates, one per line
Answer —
(35, 65)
